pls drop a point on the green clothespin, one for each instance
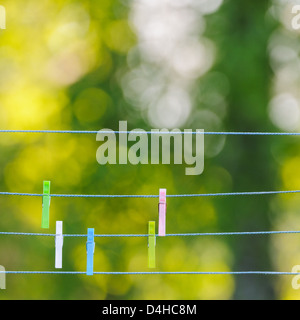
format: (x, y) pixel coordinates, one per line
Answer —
(151, 244)
(46, 205)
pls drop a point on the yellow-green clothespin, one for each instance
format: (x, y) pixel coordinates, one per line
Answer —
(46, 205)
(151, 244)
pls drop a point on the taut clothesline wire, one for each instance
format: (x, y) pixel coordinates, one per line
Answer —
(158, 272)
(150, 196)
(146, 235)
(155, 132)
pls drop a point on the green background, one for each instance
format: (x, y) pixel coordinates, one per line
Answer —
(63, 65)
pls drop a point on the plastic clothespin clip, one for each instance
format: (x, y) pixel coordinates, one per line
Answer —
(90, 250)
(46, 205)
(151, 244)
(58, 244)
(162, 209)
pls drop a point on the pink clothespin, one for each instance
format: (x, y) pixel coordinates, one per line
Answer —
(162, 209)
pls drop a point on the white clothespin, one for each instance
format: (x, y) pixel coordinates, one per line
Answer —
(58, 244)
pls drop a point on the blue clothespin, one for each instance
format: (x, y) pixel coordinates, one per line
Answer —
(90, 249)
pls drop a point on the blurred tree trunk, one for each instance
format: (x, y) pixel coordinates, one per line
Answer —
(244, 59)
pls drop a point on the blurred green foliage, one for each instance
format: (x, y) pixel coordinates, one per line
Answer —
(61, 62)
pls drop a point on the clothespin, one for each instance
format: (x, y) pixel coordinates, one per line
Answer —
(90, 249)
(46, 205)
(58, 244)
(151, 244)
(162, 209)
